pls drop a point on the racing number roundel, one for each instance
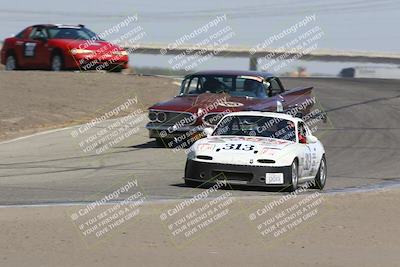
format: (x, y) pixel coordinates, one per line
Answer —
(29, 49)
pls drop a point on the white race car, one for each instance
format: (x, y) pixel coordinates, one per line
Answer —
(260, 149)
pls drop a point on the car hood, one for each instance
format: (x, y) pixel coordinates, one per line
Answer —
(87, 44)
(241, 150)
(211, 102)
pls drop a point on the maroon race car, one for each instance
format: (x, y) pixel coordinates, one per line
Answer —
(206, 96)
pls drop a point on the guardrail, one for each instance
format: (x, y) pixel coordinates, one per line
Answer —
(237, 51)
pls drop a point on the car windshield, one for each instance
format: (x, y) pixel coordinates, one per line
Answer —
(245, 86)
(257, 126)
(72, 33)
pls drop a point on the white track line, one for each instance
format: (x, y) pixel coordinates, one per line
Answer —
(37, 134)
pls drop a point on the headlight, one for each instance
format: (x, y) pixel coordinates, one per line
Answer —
(161, 117)
(157, 116)
(82, 51)
(120, 53)
(152, 116)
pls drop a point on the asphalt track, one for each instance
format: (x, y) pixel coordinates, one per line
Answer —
(361, 137)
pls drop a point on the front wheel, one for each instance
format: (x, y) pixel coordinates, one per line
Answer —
(116, 69)
(320, 178)
(11, 63)
(57, 63)
(295, 177)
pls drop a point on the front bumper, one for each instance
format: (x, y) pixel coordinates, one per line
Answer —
(96, 63)
(167, 132)
(236, 174)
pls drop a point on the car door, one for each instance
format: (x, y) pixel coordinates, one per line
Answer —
(35, 49)
(305, 166)
(42, 48)
(20, 40)
(315, 154)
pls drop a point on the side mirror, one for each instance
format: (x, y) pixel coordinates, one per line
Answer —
(208, 131)
(311, 139)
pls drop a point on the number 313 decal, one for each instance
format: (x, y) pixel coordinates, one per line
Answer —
(238, 147)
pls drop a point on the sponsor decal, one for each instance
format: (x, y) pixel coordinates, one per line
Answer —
(205, 147)
(268, 151)
(229, 104)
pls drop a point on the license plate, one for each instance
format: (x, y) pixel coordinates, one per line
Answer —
(274, 178)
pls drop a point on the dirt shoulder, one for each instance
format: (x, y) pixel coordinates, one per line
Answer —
(33, 101)
(357, 229)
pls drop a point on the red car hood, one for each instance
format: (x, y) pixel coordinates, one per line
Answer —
(88, 44)
(212, 102)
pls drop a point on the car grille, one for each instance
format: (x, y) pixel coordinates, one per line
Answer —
(235, 176)
(168, 118)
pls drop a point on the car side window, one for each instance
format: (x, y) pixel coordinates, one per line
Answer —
(302, 133)
(274, 88)
(194, 86)
(302, 129)
(20, 35)
(37, 33)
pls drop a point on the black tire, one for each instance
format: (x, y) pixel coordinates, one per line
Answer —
(116, 70)
(191, 183)
(163, 142)
(11, 62)
(295, 177)
(57, 62)
(159, 142)
(320, 178)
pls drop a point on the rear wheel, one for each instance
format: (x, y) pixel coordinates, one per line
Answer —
(295, 177)
(11, 62)
(57, 63)
(320, 178)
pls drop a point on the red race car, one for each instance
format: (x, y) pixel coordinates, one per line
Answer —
(206, 96)
(58, 47)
